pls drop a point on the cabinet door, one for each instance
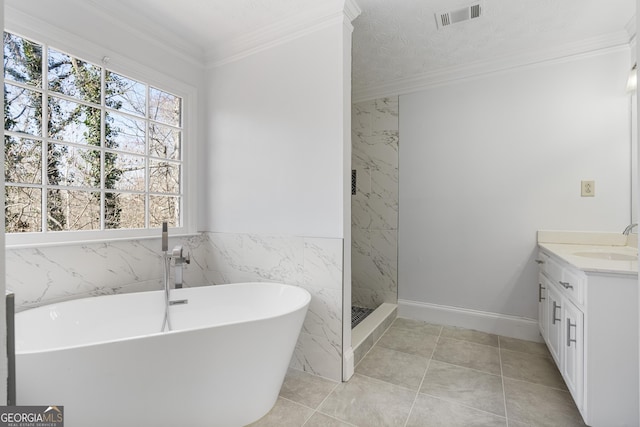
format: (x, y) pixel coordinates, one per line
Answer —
(554, 330)
(543, 318)
(573, 342)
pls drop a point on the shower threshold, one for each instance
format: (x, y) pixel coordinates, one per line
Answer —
(373, 326)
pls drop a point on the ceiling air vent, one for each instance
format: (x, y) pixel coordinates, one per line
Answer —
(444, 19)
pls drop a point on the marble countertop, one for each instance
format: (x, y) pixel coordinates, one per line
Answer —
(566, 246)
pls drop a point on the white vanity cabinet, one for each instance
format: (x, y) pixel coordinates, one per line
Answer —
(589, 321)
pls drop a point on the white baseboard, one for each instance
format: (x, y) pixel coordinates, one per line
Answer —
(493, 323)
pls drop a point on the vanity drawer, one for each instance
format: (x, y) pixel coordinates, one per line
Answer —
(570, 280)
(572, 284)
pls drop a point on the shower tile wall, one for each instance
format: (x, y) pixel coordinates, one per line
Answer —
(51, 274)
(374, 207)
(312, 263)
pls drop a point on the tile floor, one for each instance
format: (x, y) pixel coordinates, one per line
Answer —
(420, 374)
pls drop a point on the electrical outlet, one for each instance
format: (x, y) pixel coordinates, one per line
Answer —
(588, 189)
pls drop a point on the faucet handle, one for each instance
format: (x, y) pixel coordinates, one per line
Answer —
(187, 258)
(177, 252)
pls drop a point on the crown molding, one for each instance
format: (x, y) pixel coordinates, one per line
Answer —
(40, 31)
(281, 32)
(112, 13)
(479, 69)
(352, 10)
(145, 29)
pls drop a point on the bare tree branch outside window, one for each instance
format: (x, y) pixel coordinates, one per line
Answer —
(87, 148)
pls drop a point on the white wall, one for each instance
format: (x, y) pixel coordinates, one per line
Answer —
(275, 161)
(277, 170)
(484, 163)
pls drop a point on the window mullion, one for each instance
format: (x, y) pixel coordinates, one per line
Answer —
(45, 139)
(147, 162)
(103, 143)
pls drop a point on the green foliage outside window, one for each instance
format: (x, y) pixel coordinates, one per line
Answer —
(86, 148)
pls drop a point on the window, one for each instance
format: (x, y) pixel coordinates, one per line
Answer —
(86, 148)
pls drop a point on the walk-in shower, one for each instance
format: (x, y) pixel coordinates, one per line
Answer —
(374, 218)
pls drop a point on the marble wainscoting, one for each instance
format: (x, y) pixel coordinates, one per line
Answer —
(49, 274)
(374, 207)
(314, 264)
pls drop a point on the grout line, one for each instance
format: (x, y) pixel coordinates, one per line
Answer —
(471, 342)
(327, 396)
(297, 403)
(471, 369)
(504, 391)
(538, 384)
(321, 403)
(378, 380)
(457, 403)
(332, 417)
(415, 399)
(374, 344)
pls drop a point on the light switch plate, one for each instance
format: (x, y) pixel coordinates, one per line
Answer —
(588, 188)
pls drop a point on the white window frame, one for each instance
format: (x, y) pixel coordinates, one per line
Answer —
(90, 52)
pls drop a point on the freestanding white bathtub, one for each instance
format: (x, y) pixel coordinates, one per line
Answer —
(105, 360)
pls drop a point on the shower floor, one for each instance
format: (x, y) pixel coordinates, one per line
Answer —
(358, 314)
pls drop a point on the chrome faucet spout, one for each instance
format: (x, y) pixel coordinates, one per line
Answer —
(630, 227)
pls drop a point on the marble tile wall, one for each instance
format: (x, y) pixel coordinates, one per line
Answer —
(54, 273)
(374, 207)
(49, 274)
(312, 263)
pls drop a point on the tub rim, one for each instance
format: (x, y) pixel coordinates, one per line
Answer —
(306, 302)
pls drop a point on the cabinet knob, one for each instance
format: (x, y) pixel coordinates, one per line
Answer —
(565, 284)
(539, 261)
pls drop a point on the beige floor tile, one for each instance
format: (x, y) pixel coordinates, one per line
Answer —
(523, 346)
(430, 411)
(394, 367)
(532, 368)
(417, 325)
(412, 341)
(322, 420)
(512, 423)
(465, 386)
(367, 402)
(284, 414)
(305, 388)
(470, 335)
(539, 405)
(470, 355)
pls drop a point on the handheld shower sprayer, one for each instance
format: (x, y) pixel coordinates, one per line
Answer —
(165, 237)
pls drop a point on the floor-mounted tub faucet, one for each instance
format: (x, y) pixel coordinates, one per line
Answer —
(179, 261)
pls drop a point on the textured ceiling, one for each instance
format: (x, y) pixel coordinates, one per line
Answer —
(393, 40)
(398, 39)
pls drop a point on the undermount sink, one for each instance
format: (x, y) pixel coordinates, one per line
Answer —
(609, 255)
